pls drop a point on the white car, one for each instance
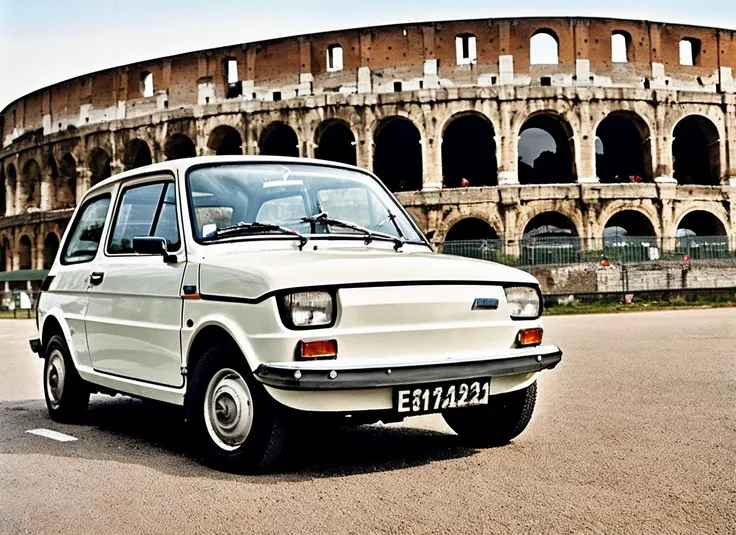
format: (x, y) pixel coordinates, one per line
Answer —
(263, 292)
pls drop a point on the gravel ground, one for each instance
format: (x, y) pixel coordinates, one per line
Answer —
(635, 432)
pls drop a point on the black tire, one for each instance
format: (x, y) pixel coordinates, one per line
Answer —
(265, 441)
(495, 424)
(66, 393)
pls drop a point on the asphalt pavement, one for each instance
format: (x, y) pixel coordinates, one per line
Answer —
(634, 432)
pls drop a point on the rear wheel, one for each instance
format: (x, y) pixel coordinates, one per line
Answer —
(67, 395)
(235, 424)
(499, 422)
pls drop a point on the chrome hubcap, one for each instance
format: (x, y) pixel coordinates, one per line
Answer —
(55, 375)
(228, 409)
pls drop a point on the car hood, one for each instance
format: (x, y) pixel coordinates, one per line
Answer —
(252, 274)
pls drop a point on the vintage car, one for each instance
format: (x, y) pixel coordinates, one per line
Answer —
(264, 292)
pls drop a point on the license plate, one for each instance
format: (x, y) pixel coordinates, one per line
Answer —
(435, 397)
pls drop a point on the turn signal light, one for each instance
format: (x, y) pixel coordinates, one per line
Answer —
(318, 349)
(530, 337)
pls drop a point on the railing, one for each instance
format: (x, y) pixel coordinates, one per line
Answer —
(18, 304)
(574, 250)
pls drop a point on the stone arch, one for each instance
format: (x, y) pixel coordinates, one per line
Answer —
(613, 207)
(225, 140)
(469, 151)
(550, 238)
(179, 146)
(6, 254)
(471, 228)
(30, 184)
(25, 252)
(629, 222)
(550, 223)
(66, 185)
(279, 139)
(544, 46)
(335, 141)
(50, 248)
(700, 222)
(472, 237)
(137, 154)
(397, 158)
(696, 151)
(623, 148)
(4, 195)
(99, 165)
(546, 149)
(701, 234)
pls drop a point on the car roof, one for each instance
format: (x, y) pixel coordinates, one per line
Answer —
(183, 164)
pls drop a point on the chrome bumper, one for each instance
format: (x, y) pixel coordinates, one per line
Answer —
(334, 375)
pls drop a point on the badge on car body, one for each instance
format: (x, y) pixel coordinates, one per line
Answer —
(485, 303)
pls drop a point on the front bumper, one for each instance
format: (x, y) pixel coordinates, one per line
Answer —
(334, 375)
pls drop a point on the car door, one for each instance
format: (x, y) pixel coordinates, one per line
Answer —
(133, 318)
(69, 279)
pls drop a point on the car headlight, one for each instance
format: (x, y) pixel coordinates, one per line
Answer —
(523, 302)
(302, 310)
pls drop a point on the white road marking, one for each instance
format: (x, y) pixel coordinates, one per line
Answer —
(54, 435)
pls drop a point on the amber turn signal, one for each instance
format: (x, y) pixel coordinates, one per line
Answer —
(530, 337)
(318, 349)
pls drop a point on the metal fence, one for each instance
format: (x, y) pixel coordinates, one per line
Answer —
(574, 250)
(18, 304)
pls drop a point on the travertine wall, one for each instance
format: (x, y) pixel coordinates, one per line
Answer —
(57, 141)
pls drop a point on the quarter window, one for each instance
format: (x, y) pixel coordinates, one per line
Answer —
(84, 240)
(148, 210)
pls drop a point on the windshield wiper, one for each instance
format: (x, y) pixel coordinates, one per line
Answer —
(369, 234)
(391, 217)
(254, 228)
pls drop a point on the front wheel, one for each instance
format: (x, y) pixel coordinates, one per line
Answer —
(66, 393)
(235, 424)
(499, 422)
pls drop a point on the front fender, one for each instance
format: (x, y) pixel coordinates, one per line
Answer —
(74, 335)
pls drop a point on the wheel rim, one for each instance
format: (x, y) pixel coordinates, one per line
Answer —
(228, 409)
(55, 377)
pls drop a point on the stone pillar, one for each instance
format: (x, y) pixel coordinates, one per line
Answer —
(730, 141)
(364, 147)
(663, 146)
(585, 155)
(507, 147)
(667, 193)
(431, 151)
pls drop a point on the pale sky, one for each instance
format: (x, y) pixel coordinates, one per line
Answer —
(46, 41)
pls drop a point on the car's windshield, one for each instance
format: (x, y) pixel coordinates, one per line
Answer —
(289, 195)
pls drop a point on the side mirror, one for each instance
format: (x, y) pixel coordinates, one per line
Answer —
(153, 246)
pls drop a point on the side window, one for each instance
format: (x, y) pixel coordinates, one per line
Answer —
(145, 211)
(84, 240)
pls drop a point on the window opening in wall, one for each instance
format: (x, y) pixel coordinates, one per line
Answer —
(277, 95)
(147, 84)
(405, 32)
(620, 42)
(543, 48)
(421, 84)
(234, 85)
(465, 49)
(334, 58)
(689, 51)
(232, 71)
(545, 81)
(398, 86)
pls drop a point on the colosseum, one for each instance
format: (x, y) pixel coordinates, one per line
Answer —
(492, 128)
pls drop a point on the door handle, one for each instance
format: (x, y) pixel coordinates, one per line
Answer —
(96, 278)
